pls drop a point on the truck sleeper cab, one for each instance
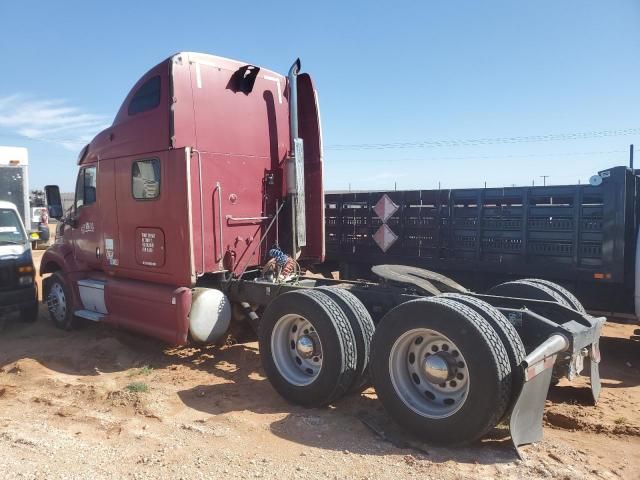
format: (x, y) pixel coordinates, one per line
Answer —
(182, 187)
(18, 290)
(206, 192)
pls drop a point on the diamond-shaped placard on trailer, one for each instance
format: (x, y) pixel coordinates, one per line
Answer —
(385, 237)
(385, 208)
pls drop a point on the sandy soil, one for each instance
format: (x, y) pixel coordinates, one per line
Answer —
(99, 403)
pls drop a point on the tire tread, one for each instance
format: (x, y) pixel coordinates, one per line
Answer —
(363, 329)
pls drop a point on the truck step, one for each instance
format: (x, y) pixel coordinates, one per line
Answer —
(89, 315)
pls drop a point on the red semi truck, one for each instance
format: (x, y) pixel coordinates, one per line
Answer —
(203, 201)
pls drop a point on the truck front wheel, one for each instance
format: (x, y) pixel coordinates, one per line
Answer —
(59, 302)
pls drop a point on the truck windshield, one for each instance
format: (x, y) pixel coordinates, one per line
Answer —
(11, 231)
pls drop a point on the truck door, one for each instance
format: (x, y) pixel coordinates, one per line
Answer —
(153, 235)
(86, 233)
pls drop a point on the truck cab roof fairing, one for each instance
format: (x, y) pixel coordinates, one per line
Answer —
(140, 131)
(171, 122)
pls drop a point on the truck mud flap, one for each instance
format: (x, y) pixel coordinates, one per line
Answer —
(525, 424)
(594, 370)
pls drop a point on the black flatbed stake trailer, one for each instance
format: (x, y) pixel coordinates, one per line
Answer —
(584, 237)
(447, 363)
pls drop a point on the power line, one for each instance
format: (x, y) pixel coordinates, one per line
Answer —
(496, 157)
(487, 141)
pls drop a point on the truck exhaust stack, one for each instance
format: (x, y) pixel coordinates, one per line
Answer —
(295, 166)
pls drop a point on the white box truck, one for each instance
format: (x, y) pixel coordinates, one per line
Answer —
(14, 180)
(14, 188)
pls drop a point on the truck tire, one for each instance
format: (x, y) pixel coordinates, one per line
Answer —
(529, 290)
(440, 370)
(29, 314)
(507, 333)
(363, 329)
(59, 304)
(563, 292)
(307, 348)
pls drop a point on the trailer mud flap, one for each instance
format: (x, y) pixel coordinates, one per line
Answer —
(525, 424)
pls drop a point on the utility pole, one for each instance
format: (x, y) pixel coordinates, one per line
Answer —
(544, 179)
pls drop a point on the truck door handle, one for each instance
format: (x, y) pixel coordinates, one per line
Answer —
(98, 253)
(231, 218)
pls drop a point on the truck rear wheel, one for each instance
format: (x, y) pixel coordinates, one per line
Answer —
(307, 348)
(363, 329)
(528, 289)
(507, 333)
(563, 292)
(59, 303)
(441, 370)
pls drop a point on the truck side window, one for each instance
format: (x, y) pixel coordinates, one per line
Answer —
(145, 179)
(86, 187)
(147, 97)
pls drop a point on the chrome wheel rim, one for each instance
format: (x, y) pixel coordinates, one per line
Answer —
(296, 350)
(57, 302)
(429, 373)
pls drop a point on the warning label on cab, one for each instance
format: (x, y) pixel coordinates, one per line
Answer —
(150, 247)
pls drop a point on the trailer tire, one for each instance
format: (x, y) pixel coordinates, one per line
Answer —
(59, 304)
(530, 290)
(415, 399)
(563, 292)
(507, 333)
(292, 324)
(363, 330)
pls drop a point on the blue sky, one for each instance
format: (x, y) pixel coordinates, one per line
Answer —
(435, 73)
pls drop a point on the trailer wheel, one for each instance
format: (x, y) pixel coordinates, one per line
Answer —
(530, 290)
(308, 349)
(363, 329)
(507, 333)
(563, 292)
(441, 370)
(59, 304)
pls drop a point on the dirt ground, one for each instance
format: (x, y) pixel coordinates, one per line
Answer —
(100, 403)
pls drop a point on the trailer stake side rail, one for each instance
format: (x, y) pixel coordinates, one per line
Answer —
(583, 236)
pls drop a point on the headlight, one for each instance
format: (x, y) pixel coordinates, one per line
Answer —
(25, 269)
(25, 280)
